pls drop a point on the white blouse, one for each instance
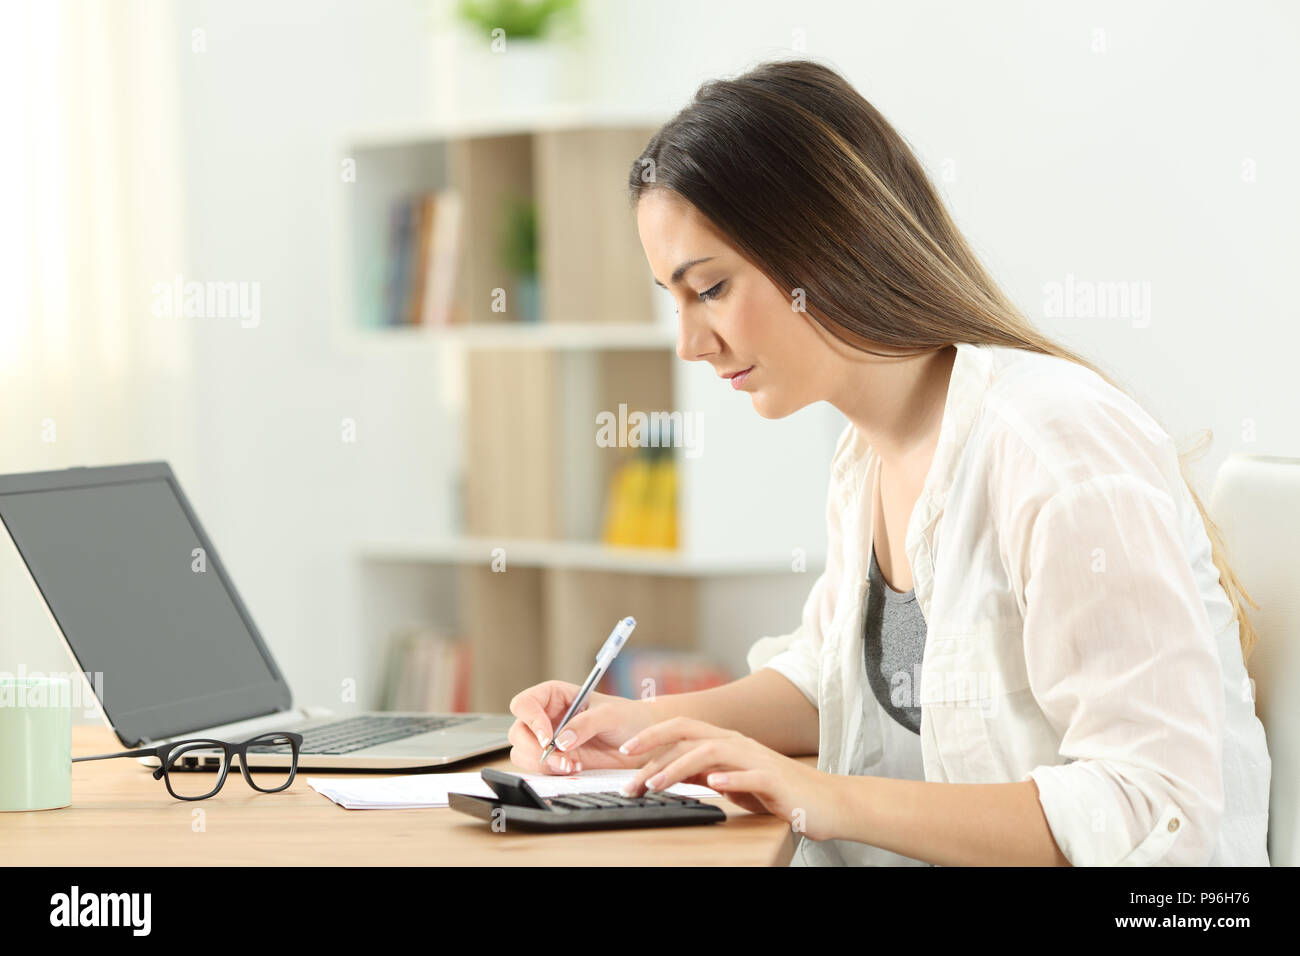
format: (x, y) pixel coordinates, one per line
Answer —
(1077, 632)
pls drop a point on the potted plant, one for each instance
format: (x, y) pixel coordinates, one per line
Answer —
(519, 256)
(520, 57)
(519, 19)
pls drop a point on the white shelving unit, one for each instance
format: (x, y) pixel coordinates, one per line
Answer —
(751, 498)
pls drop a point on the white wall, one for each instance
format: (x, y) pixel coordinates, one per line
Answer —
(1117, 165)
(285, 497)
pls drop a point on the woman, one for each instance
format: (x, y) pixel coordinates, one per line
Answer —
(1027, 645)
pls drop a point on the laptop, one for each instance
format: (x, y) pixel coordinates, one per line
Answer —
(138, 594)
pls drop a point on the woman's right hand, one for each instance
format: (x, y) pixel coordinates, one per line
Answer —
(597, 732)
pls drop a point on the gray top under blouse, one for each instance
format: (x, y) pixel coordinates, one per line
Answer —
(894, 640)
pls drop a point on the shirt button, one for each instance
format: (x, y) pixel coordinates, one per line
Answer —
(1173, 824)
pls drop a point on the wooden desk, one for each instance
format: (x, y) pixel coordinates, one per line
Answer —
(121, 816)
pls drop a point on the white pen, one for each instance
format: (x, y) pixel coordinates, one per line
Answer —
(613, 644)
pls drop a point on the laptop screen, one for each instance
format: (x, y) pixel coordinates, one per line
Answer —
(135, 586)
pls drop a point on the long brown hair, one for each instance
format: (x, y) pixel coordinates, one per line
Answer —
(811, 184)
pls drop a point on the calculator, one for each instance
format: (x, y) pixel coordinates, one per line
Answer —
(518, 806)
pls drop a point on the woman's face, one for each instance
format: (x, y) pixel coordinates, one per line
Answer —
(729, 313)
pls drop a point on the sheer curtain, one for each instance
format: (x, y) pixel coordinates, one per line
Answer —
(90, 221)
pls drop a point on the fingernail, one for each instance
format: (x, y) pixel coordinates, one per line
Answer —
(564, 764)
(565, 740)
(717, 780)
(627, 746)
(541, 740)
(653, 782)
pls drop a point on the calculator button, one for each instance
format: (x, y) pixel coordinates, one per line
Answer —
(583, 802)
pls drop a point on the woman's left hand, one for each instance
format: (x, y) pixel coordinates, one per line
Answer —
(757, 778)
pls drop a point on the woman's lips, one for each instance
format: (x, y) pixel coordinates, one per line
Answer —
(738, 379)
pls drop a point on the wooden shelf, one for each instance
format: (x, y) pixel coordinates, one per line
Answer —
(573, 555)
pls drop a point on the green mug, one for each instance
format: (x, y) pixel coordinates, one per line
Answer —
(35, 743)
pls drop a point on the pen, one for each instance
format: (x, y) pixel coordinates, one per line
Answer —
(613, 644)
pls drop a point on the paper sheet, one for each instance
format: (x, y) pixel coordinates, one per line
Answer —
(420, 790)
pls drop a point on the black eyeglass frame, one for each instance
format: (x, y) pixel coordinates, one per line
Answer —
(229, 752)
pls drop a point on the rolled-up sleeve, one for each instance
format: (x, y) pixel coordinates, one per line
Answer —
(1121, 660)
(798, 655)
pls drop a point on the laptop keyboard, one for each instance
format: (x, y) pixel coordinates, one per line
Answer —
(358, 733)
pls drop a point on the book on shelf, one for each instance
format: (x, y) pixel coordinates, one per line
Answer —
(640, 672)
(428, 671)
(422, 211)
(399, 230)
(423, 255)
(438, 303)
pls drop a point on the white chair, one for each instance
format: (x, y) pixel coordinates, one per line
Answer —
(1256, 504)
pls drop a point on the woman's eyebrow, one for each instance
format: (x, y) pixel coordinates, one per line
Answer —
(681, 270)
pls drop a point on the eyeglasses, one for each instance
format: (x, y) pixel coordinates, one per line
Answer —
(186, 765)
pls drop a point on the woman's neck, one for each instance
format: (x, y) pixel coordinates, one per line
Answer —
(897, 403)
